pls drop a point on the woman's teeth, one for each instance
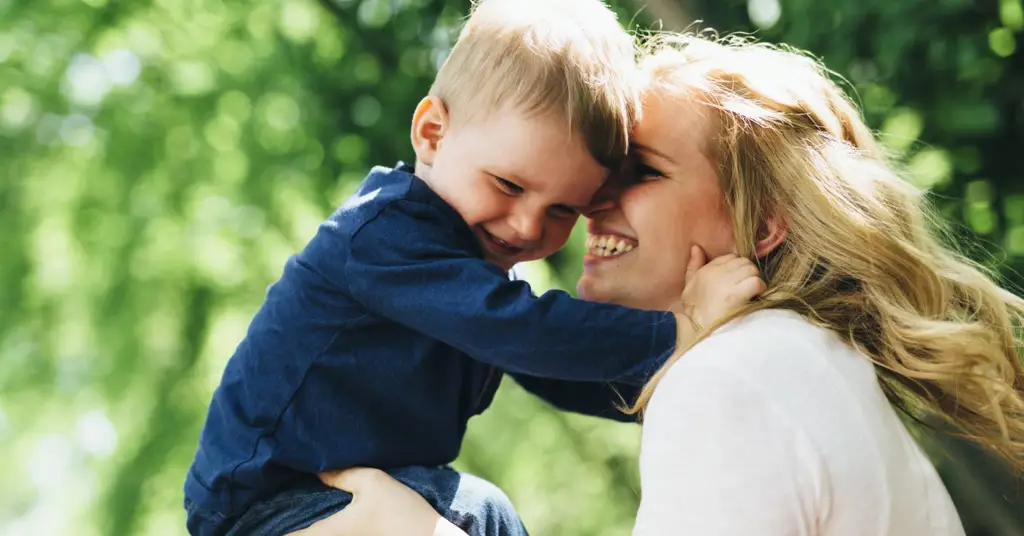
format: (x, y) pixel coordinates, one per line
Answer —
(608, 245)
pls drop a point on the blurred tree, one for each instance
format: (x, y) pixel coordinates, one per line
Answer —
(161, 159)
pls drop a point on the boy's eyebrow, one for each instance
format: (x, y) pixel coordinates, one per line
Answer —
(509, 177)
(646, 149)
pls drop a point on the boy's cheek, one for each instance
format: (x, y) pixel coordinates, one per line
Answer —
(557, 237)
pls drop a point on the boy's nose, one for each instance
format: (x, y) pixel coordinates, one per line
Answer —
(528, 227)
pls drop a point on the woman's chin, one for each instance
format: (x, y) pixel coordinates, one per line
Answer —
(649, 295)
(585, 288)
(591, 287)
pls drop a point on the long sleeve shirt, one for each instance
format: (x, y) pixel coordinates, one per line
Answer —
(380, 340)
(776, 427)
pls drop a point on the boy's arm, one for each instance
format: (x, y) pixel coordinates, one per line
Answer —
(410, 265)
(598, 399)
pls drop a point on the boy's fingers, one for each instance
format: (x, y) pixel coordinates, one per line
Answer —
(723, 259)
(750, 287)
(747, 270)
(739, 269)
(697, 260)
(738, 262)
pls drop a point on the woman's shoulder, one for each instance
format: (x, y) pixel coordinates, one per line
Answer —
(781, 357)
(770, 337)
(738, 393)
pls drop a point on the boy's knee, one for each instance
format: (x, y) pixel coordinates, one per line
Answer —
(484, 509)
(473, 504)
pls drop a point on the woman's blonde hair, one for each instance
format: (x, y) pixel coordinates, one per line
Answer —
(864, 256)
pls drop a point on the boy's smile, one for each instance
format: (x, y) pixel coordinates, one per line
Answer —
(497, 246)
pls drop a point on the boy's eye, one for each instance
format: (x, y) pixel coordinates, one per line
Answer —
(508, 186)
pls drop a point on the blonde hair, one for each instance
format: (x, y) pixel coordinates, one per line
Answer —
(865, 256)
(570, 58)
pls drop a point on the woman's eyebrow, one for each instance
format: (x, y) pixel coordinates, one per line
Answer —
(659, 154)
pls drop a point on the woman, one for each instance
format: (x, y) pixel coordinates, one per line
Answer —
(783, 421)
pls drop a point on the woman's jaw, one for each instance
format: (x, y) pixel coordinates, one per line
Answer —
(612, 269)
(607, 249)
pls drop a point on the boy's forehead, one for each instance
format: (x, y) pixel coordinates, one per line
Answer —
(515, 130)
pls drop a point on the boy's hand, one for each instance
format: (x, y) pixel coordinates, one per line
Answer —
(715, 288)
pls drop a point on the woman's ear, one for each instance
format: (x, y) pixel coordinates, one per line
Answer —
(771, 233)
(429, 125)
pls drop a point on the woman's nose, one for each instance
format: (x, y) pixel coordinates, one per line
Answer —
(597, 206)
(605, 199)
(607, 196)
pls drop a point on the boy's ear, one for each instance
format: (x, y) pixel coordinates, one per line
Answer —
(429, 125)
(771, 233)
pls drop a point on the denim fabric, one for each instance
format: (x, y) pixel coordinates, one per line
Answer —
(383, 336)
(473, 504)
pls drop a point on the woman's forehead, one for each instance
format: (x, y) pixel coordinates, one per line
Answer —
(677, 125)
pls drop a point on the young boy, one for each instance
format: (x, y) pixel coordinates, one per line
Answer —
(393, 326)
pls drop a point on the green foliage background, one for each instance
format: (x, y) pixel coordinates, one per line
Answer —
(159, 160)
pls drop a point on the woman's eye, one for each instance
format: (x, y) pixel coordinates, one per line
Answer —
(645, 172)
(509, 186)
(562, 211)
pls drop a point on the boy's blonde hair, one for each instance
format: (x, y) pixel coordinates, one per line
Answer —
(567, 58)
(865, 255)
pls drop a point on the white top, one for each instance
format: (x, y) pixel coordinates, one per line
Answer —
(774, 427)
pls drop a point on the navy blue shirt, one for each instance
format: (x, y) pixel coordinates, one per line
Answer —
(382, 337)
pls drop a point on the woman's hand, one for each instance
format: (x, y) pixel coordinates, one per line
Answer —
(381, 506)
